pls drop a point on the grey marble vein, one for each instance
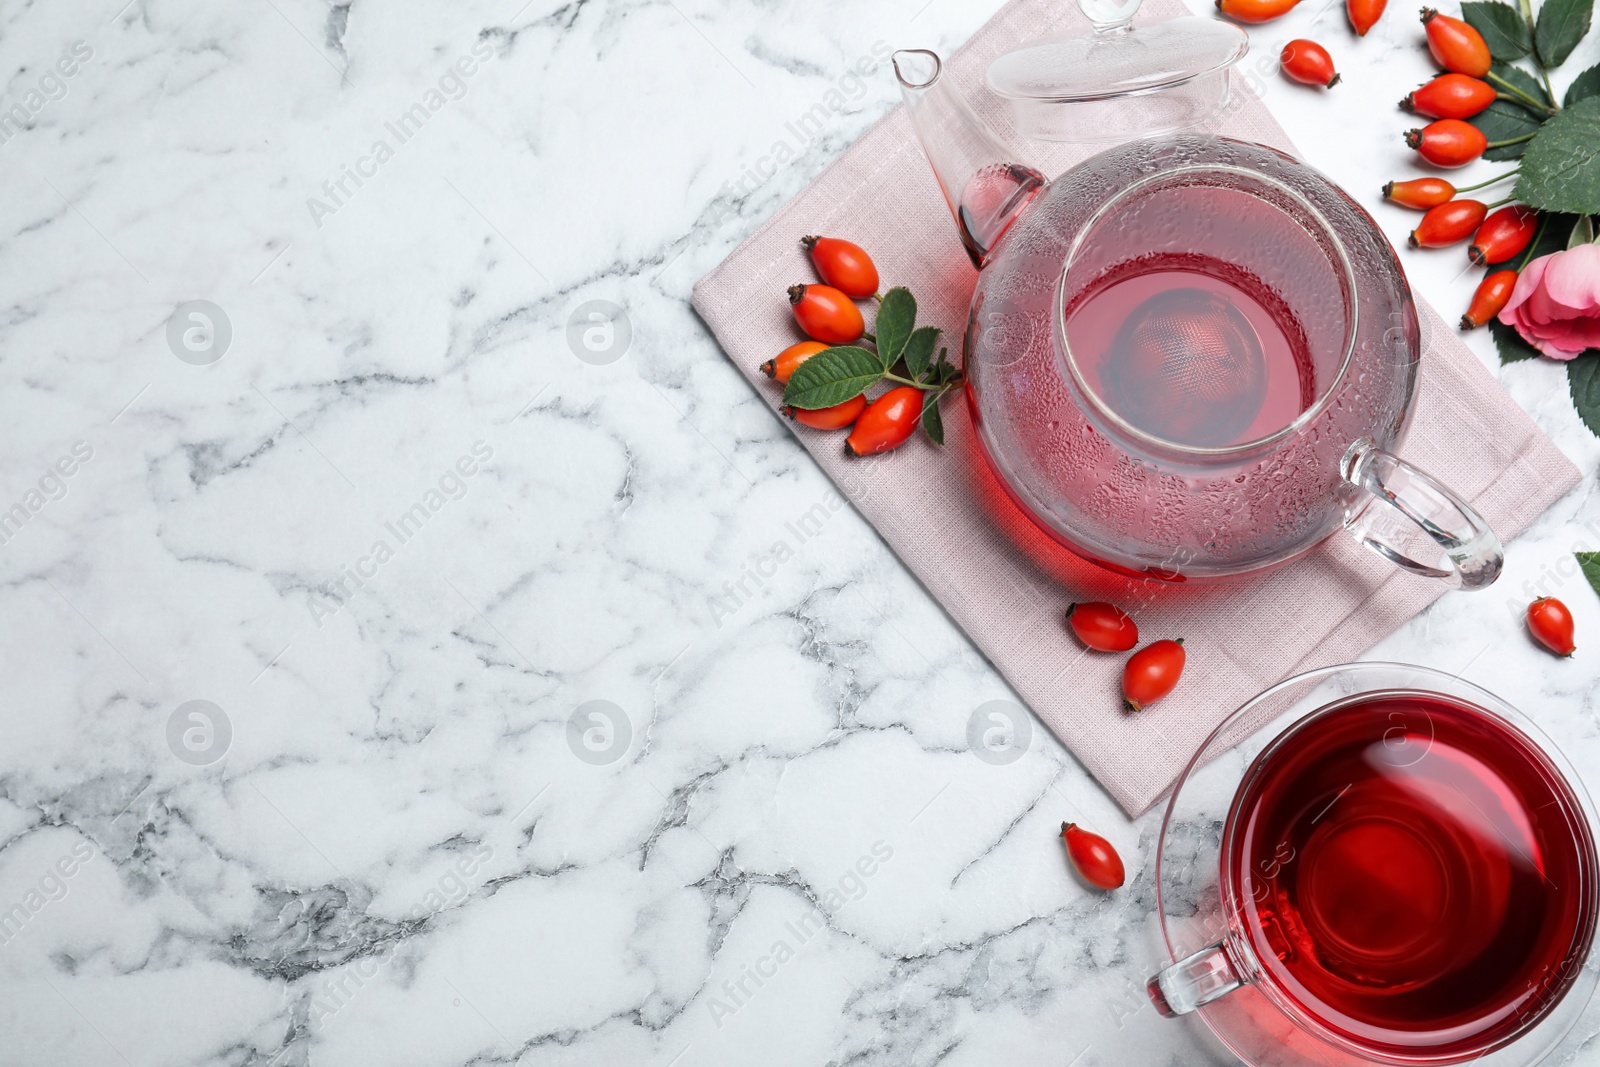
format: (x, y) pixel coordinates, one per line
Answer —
(412, 683)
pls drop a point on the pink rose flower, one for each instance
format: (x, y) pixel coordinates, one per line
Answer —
(1556, 304)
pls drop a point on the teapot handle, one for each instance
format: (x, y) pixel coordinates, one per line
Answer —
(1471, 553)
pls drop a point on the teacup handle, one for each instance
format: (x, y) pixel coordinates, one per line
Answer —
(1472, 549)
(1194, 981)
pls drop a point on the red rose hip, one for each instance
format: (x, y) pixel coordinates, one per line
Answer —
(1151, 673)
(1455, 45)
(1308, 62)
(843, 265)
(1451, 96)
(1551, 625)
(782, 366)
(1490, 298)
(888, 422)
(1420, 193)
(1364, 14)
(826, 314)
(1103, 627)
(836, 417)
(1448, 142)
(1093, 857)
(1255, 11)
(1448, 224)
(1504, 234)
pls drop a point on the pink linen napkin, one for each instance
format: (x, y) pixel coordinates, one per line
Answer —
(1004, 582)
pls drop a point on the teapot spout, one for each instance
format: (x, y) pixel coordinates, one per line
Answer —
(983, 185)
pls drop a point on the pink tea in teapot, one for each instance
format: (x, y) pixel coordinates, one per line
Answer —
(1192, 350)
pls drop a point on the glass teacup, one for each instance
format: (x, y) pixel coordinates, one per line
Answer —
(1379, 864)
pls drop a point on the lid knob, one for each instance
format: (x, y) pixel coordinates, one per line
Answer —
(1109, 15)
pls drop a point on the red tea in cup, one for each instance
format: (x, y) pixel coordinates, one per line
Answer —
(1413, 875)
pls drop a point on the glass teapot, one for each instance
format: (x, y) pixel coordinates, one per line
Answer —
(1188, 357)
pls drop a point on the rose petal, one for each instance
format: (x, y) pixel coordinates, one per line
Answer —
(1542, 308)
(1547, 349)
(1572, 279)
(1528, 331)
(1527, 282)
(1572, 335)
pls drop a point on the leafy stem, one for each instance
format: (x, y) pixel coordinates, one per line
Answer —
(1513, 95)
(1491, 181)
(1526, 7)
(1527, 257)
(1544, 76)
(928, 387)
(1513, 140)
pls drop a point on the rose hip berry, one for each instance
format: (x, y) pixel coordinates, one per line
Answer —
(1551, 625)
(1420, 193)
(1504, 234)
(1455, 45)
(836, 417)
(843, 265)
(1308, 62)
(782, 366)
(1093, 857)
(888, 422)
(1364, 14)
(1490, 298)
(1151, 673)
(1254, 11)
(1448, 142)
(1451, 96)
(826, 314)
(1448, 224)
(1103, 627)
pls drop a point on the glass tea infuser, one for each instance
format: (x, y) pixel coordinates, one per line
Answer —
(1188, 357)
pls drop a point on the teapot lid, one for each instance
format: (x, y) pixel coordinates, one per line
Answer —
(1049, 80)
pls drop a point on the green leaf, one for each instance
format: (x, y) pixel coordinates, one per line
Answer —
(1583, 382)
(919, 351)
(1584, 86)
(831, 377)
(1561, 168)
(1561, 25)
(932, 423)
(1513, 349)
(1502, 28)
(896, 315)
(1505, 121)
(1522, 80)
(947, 371)
(1590, 563)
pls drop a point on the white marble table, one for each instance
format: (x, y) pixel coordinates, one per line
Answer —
(396, 532)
